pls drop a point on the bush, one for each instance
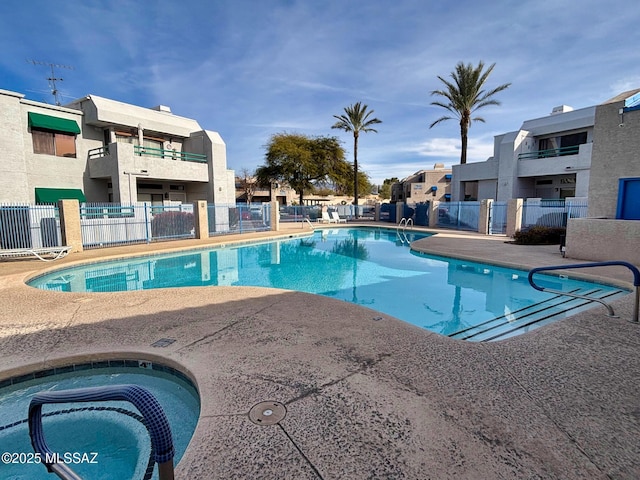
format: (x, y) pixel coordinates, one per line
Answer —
(171, 224)
(540, 235)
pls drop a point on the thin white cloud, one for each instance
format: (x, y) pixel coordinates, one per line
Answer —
(450, 148)
(250, 69)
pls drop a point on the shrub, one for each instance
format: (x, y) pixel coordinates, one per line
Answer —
(170, 224)
(540, 235)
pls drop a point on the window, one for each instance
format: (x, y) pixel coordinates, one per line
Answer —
(126, 137)
(53, 135)
(53, 143)
(132, 138)
(573, 140)
(545, 144)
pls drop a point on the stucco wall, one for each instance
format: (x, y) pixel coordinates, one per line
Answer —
(616, 154)
(507, 165)
(12, 185)
(487, 189)
(603, 240)
(486, 173)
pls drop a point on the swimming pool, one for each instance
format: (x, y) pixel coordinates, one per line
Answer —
(373, 267)
(111, 433)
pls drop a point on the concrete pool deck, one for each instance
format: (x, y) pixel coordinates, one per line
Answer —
(366, 398)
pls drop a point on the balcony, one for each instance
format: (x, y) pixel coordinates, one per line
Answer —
(552, 152)
(556, 161)
(110, 160)
(154, 152)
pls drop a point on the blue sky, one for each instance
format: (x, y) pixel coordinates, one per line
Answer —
(249, 69)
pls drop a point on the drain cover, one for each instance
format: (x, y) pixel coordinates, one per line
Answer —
(267, 413)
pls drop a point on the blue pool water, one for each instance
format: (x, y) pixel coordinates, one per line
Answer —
(111, 430)
(373, 267)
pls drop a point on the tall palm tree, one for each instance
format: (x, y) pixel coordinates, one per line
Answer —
(464, 96)
(356, 119)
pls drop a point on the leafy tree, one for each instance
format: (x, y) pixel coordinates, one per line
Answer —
(464, 95)
(385, 190)
(346, 187)
(300, 161)
(356, 119)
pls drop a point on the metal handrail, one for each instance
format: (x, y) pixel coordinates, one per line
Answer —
(173, 154)
(633, 268)
(404, 222)
(154, 419)
(309, 222)
(550, 152)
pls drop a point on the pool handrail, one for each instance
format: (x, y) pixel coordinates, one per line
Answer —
(309, 222)
(633, 268)
(404, 222)
(154, 419)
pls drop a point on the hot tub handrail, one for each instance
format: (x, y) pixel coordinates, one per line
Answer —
(633, 268)
(154, 419)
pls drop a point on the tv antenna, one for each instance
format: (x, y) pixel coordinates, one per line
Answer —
(53, 79)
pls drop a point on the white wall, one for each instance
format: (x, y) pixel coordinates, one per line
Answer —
(13, 187)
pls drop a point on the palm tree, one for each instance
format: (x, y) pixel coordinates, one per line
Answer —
(464, 96)
(356, 119)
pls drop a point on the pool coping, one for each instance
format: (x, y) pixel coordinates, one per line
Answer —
(82, 363)
(418, 246)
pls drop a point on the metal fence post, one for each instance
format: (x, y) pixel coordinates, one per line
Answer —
(146, 222)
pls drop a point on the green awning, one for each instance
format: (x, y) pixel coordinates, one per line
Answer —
(52, 195)
(38, 120)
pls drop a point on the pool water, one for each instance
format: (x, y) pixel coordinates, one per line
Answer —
(111, 433)
(373, 267)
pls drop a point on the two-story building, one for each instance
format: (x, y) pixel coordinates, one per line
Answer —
(100, 150)
(424, 186)
(548, 157)
(612, 229)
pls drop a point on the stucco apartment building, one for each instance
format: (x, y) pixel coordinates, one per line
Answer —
(612, 229)
(424, 186)
(102, 150)
(592, 153)
(548, 157)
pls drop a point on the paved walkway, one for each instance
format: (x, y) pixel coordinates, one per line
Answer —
(364, 399)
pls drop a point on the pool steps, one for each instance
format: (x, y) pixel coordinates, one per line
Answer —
(536, 315)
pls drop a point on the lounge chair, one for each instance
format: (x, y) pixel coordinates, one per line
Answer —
(336, 218)
(46, 254)
(326, 218)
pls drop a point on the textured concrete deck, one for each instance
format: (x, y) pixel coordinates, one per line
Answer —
(365, 399)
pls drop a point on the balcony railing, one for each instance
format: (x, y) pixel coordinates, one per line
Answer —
(99, 152)
(154, 152)
(170, 154)
(552, 152)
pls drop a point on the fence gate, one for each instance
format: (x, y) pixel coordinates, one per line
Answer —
(459, 215)
(498, 218)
